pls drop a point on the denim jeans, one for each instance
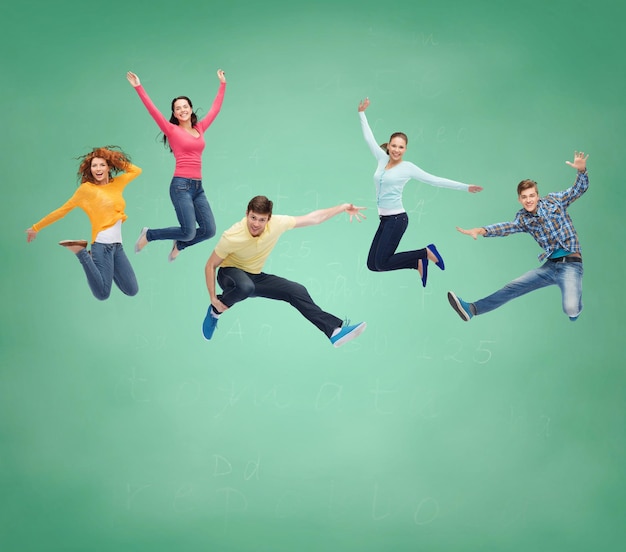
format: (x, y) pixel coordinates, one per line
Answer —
(191, 205)
(568, 276)
(106, 264)
(238, 285)
(382, 255)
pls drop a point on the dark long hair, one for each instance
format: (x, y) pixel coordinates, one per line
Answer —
(174, 120)
(395, 135)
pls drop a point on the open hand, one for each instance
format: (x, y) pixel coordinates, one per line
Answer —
(133, 79)
(354, 211)
(580, 161)
(364, 104)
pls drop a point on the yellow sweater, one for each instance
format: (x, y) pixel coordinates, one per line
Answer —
(103, 203)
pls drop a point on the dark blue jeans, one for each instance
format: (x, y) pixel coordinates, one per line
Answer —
(191, 206)
(107, 264)
(238, 285)
(382, 256)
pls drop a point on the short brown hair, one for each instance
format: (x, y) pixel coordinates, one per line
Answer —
(525, 185)
(260, 205)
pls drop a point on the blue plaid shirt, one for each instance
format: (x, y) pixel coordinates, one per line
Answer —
(551, 225)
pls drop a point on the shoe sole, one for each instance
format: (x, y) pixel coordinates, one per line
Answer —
(352, 335)
(144, 230)
(69, 243)
(456, 305)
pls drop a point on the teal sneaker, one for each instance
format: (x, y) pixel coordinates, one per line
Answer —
(461, 307)
(347, 333)
(209, 324)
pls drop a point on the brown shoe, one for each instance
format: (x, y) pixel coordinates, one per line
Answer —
(71, 243)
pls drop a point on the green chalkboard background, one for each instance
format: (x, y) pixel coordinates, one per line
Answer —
(122, 429)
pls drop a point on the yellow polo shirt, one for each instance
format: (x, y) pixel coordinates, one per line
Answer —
(241, 250)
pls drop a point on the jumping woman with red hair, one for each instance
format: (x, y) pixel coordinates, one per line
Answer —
(104, 173)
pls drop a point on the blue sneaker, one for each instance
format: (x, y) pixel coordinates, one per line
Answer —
(347, 333)
(434, 251)
(461, 307)
(573, 318)
(424, 271)
(209, 324)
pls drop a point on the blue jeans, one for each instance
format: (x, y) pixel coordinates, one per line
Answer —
(568, 276)
(238, 285)
(191, 205)
(382, 256)
(106, 264)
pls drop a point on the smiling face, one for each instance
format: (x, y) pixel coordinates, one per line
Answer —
(182, 110)
(396, 148)
(528, 198)
(100, 170)
(256, 222)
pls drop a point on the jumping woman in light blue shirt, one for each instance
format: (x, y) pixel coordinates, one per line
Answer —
(392, 174)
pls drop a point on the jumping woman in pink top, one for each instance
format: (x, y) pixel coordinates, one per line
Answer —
(185, 135)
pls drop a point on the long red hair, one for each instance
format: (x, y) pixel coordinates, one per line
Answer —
(117, 160)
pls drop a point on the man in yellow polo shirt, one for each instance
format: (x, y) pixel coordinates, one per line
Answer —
(240, 255)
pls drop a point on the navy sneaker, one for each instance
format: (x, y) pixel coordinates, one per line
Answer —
(424, 271)
(439, 262)
(347, 333)
(461, 307)
(209, 324)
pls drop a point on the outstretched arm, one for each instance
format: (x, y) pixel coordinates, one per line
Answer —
(30, 234)
(474, 232)
(322, 215)
(209, 273)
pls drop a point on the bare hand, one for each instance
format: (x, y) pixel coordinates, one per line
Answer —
(218, 305)
(221, 75)
(364, 104)
(474, 232)
(354, 211)
(580, 161)
(474, 189)
(30, 234)
(133, 79)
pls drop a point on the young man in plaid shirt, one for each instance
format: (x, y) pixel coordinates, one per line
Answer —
(547, 221)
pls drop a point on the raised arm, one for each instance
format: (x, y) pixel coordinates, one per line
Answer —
(580, 161)
(322, 215)
(158, 117)
(376, 150)
(206, 121)
(209, 273)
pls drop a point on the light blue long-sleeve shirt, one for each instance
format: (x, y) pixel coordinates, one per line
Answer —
(390, 183)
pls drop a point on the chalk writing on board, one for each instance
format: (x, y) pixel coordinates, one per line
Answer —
(378, 513)
(378, 397)
(235, 330)
(131, 493)
(181, 502)
(426, 512)
(234, 502)
(233, 398)
(329, 395)
(223, 467)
